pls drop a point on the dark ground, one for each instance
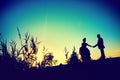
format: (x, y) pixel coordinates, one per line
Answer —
(108, 69)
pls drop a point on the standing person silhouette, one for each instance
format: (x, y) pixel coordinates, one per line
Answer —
(101, 46)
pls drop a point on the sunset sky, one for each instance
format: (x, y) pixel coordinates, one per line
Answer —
(63, 23)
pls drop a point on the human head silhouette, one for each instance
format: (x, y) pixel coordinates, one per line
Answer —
(98, 35)
(84, 39)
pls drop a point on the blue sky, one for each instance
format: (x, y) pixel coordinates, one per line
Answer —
(64, 23)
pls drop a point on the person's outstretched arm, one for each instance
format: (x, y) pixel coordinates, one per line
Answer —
(95, 45)
(89, 45)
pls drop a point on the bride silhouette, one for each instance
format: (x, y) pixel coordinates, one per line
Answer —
(84, 51)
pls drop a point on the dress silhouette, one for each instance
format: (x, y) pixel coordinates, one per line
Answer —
(84, 51)
(101, 46)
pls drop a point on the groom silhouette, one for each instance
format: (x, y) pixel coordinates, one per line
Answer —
(101, 46)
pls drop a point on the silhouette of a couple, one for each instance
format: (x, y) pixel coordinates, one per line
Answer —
(85, 53)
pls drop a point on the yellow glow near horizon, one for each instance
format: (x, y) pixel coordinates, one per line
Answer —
(59, 54)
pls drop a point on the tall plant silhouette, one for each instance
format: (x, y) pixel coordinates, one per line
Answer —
(66, 53)
(7, 57)
(28, 49)
(74, 57)
(13, 48)
(4, 50)
(48, 58)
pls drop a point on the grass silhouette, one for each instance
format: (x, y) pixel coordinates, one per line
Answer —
(13, 67)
